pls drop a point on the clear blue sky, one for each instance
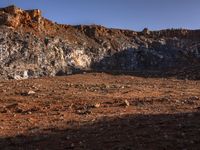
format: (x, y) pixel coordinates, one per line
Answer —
(128, 14)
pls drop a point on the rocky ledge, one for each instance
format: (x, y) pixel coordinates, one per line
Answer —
(33, 46)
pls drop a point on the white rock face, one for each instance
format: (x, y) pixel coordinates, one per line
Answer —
(79, 59)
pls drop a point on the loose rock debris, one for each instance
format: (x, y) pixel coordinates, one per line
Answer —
(117, 119)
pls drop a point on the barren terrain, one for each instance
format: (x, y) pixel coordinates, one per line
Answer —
(100, 111)
(146, 98)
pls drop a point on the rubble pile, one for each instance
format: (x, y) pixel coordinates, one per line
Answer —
(32, 46)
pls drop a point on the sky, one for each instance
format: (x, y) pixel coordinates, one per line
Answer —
(124, 14)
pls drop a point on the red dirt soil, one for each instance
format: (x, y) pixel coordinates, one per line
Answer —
(99, 111)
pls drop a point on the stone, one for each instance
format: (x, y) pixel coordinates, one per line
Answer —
(97, 105)
(31, 92)
(14, 17)
(25, 76)
(3, 110)
(126, 103)
(18, 77)
(146, 31)
(194, 98)
(35, 14)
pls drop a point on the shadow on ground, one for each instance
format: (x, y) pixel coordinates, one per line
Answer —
(163, 131)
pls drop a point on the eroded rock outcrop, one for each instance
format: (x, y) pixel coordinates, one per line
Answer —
(15, 17)
(32, 46)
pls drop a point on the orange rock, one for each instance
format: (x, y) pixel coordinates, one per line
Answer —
(14, 17)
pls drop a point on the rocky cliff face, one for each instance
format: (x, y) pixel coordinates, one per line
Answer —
(32, 46)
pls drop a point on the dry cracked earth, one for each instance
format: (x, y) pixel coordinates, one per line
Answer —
(100, 111)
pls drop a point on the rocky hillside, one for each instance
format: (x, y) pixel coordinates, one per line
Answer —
(32, 46)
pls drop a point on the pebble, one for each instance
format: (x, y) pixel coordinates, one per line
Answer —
(31, 92)
(97, 105)
(127, 103)
(194, 98)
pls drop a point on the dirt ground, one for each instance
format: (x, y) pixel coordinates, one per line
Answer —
(100, 111)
